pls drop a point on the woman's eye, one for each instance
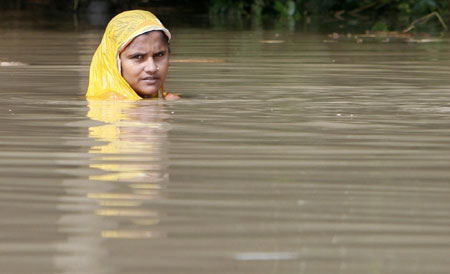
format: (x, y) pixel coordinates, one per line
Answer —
(159, 54)
(138, 57)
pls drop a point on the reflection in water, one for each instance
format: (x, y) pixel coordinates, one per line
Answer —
(133, 137)
(132, 148)
(128, 157)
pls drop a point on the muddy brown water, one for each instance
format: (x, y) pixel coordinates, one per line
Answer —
(287, 154)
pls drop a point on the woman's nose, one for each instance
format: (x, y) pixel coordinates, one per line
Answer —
(150, 66)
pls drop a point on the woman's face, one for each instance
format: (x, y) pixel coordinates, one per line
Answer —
(145, 62)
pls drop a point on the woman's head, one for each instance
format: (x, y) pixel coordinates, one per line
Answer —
(132, 58)
(145, 62)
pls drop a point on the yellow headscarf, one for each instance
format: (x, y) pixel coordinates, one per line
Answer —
(105, 79)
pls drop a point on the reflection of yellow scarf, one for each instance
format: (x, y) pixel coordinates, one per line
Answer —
(105, 79)
(125, 141)
(112, 113)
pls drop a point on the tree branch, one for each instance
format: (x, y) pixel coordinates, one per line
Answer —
(424, 19)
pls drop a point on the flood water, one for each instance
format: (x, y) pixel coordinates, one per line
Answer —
(287, 154)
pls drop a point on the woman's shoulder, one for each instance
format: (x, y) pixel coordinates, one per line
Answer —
(108, 95)
(112, 95)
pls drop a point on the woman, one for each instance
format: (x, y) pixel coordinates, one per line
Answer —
(132, 59)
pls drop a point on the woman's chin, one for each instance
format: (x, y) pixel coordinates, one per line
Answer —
(147, 93)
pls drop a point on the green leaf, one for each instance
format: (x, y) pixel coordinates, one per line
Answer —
(380, 26)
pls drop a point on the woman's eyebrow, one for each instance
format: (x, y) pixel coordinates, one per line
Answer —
(135, 54)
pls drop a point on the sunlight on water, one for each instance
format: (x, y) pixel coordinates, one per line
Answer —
(287, 154)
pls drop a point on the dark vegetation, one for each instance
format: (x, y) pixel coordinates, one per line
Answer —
(382, 15)
(377, 15)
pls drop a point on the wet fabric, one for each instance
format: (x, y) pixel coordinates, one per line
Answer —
(105, 79)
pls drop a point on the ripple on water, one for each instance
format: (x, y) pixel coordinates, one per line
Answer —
(283, 157)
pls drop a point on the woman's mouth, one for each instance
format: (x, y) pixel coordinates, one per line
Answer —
(150, 80)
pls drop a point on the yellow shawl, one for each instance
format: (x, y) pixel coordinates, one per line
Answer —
(105, 79)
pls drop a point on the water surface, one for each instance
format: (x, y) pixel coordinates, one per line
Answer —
(287, 154)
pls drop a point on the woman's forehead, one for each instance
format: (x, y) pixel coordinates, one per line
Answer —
(147, 40)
